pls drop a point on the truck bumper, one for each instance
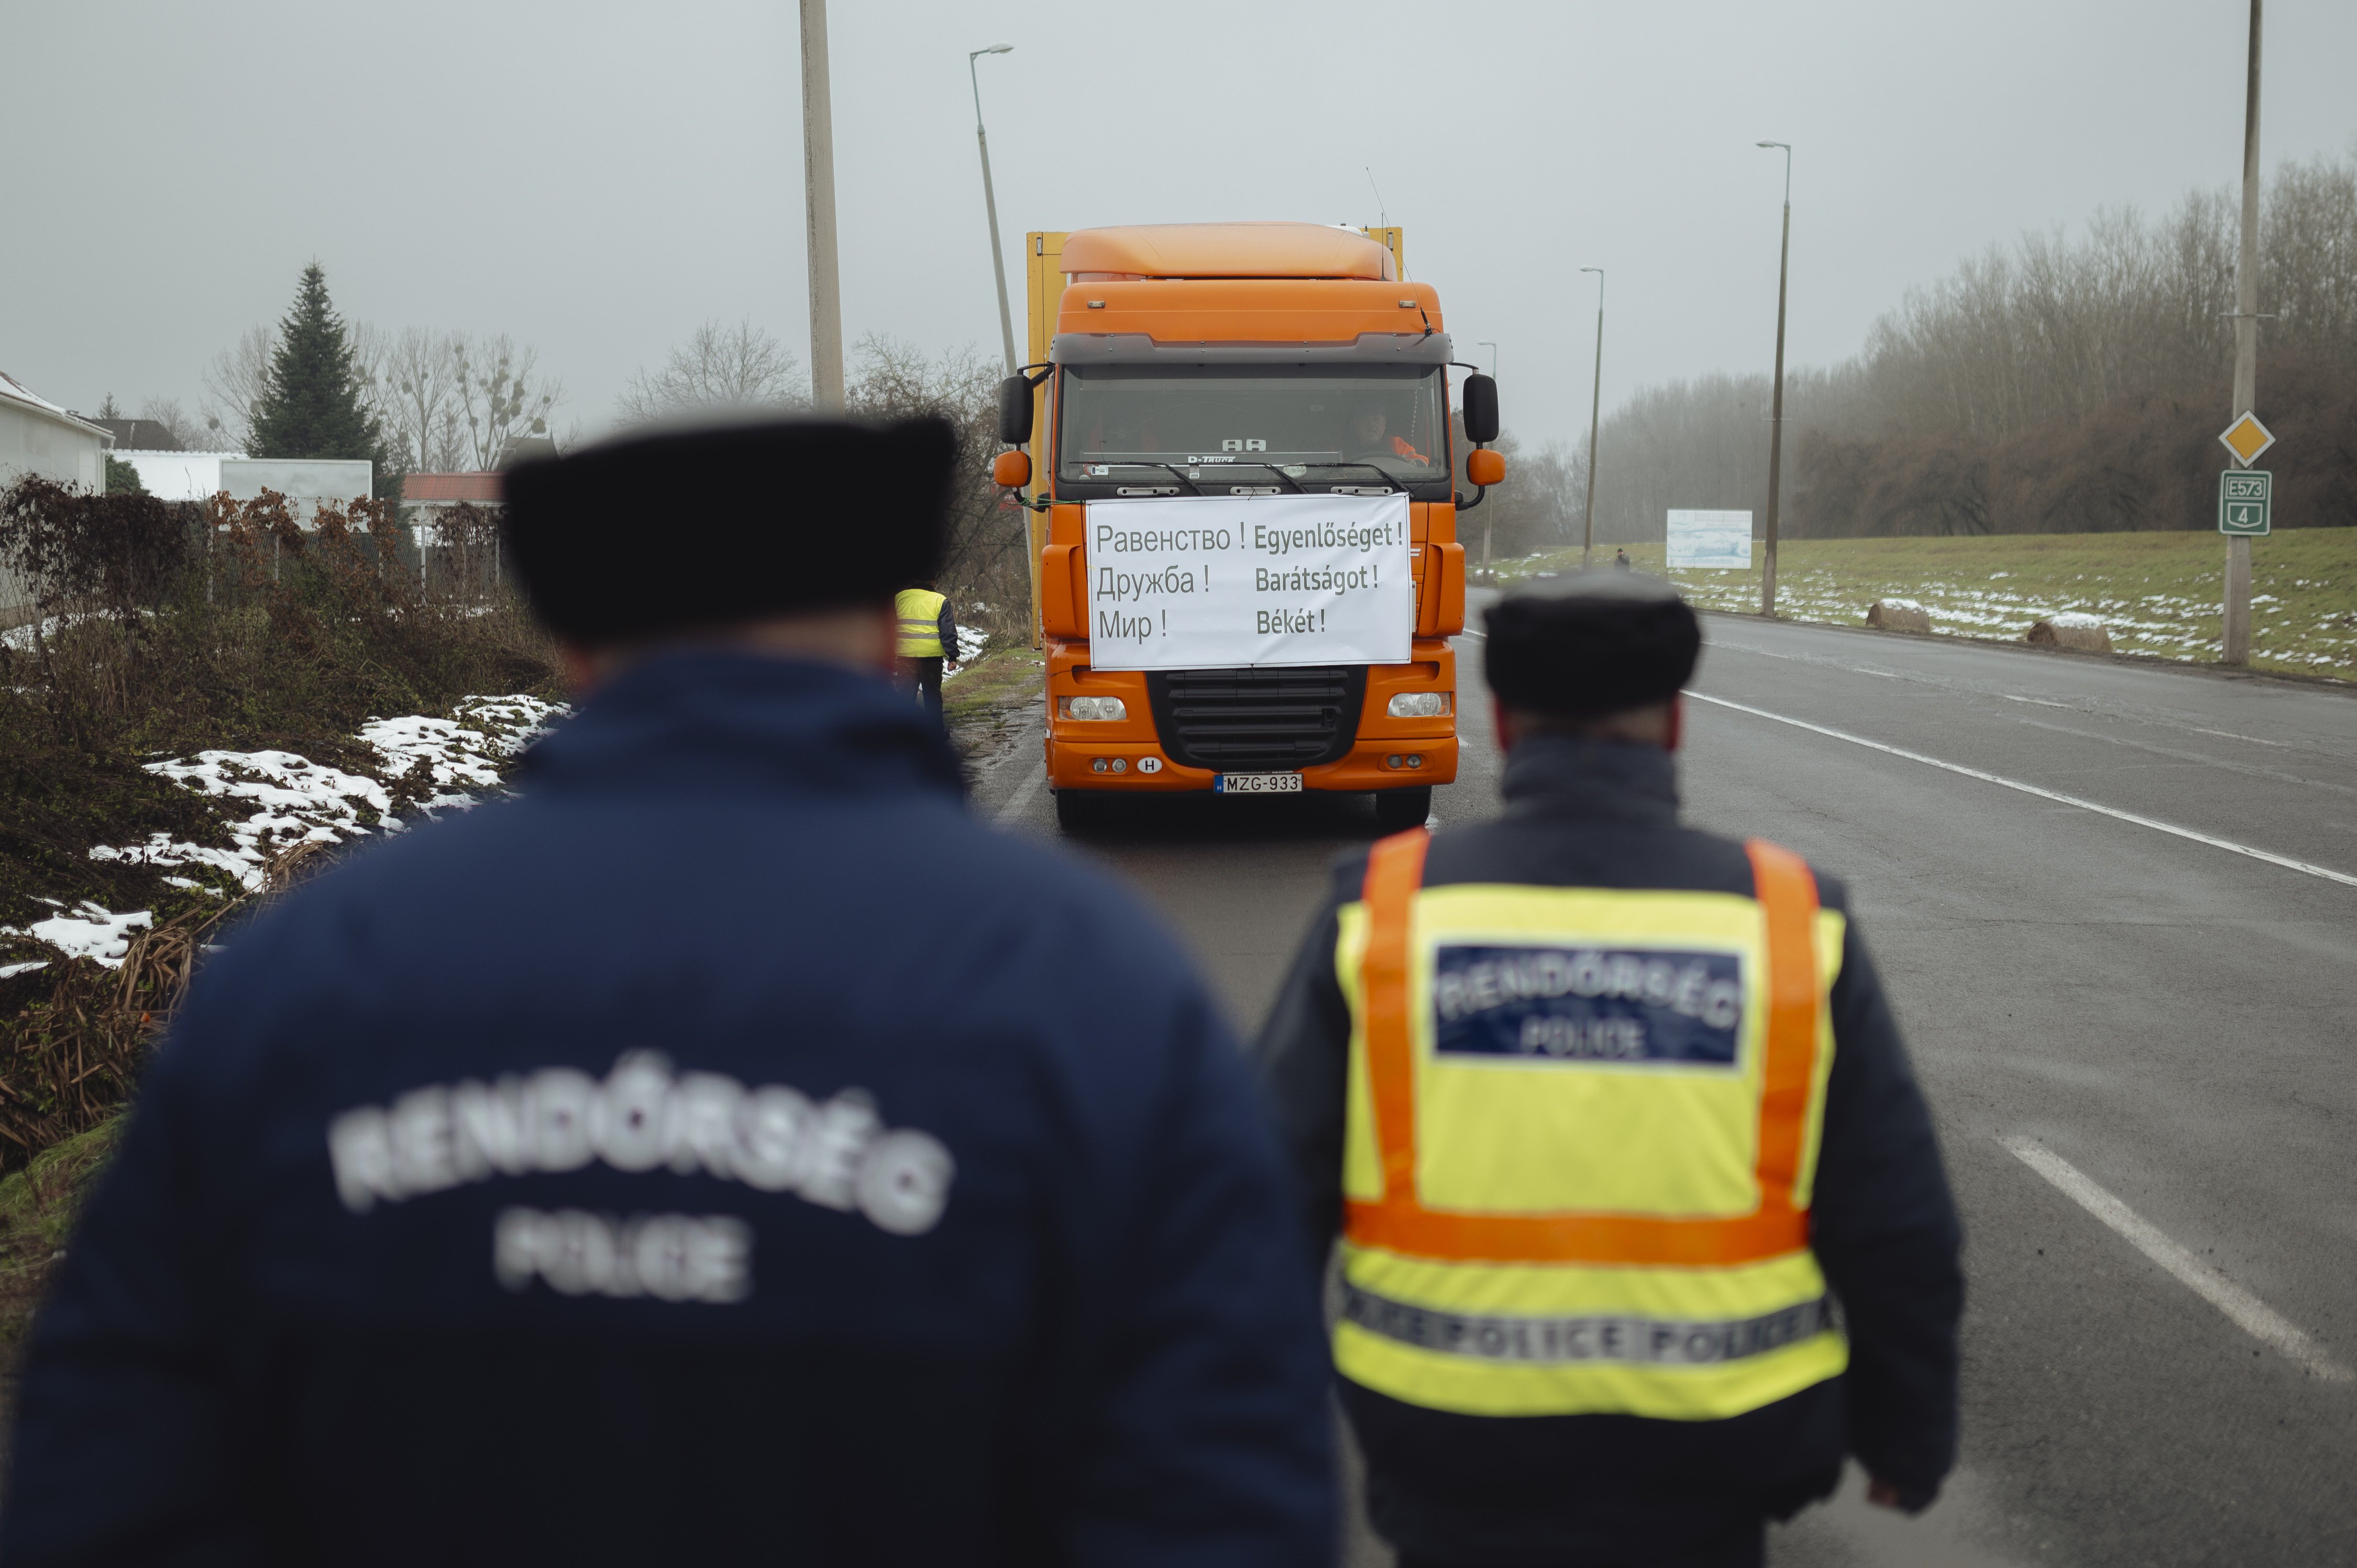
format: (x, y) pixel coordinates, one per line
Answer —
(1127, 755)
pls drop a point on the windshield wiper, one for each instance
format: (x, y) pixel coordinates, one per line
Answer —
(1289, 482)
(1379, 473)
(1169, 469)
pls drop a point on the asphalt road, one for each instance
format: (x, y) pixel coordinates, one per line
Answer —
(2120, 931)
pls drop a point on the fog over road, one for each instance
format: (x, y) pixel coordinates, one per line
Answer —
(2140, 1045)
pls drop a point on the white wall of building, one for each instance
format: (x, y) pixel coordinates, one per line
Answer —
(38, 437)
(177, 476)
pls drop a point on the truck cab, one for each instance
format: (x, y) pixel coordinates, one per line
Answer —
(1235, 372)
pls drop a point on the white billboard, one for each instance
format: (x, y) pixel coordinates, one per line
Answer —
(304, 481)
(1225, 583)
(1712, 541)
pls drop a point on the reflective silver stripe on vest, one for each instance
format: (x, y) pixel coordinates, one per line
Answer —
(1641, 1341)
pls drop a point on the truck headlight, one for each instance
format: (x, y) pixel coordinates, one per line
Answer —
(1419, 705)
(1098, 708)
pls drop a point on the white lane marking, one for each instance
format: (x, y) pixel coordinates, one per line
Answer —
(2286, 862)
(1962, 689)
(1020, 799)
(2249, 1313)
(2230, 734)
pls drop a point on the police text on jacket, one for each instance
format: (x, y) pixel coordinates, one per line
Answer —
(837, 1154)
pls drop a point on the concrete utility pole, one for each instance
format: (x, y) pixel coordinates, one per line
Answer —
(990, 203)
(2237, 629)
(1587, 524)
(1776, 414)
(818, 202)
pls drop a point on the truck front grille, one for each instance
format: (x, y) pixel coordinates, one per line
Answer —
(1240, 721)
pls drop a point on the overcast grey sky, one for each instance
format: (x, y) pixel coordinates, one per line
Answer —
(597, 178)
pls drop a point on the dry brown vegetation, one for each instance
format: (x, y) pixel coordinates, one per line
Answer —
(724, 369)
(155, 629)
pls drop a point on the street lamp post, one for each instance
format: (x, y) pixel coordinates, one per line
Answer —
(1487, 518)
(990, 202)
(1776, 414)
(1595, 397)
(818, 203)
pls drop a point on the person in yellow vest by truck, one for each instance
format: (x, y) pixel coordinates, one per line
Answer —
(928, 637)
(1643, 1225)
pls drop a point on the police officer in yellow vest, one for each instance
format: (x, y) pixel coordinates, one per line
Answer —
(1643, 1225)
(928, 636)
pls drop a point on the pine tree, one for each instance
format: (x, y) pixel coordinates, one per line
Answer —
(311, 407)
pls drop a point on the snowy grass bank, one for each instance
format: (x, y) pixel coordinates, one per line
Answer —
(265, 802)
(2158, 594)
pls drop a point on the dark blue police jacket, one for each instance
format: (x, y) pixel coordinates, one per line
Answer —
(727, 1151)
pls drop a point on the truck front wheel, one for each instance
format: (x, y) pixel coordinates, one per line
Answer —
(1396, 810)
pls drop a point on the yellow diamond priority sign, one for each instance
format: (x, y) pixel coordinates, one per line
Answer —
(2246, 438)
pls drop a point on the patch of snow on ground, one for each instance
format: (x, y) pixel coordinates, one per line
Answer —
(969, 646)
(298, 798)
(21, 637)
(463, 749)
(452, 753)
(86, 930)
(2076, 618)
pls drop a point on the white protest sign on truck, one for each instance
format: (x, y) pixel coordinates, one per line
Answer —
(1224, 583)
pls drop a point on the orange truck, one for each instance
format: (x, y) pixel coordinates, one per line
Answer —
(1235, 445)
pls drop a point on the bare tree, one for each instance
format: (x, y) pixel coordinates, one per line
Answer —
(985, 570)
(501, 395)
(417, 402)
(2062, 384)
(718, 368)
(176, 420)
(233, 385)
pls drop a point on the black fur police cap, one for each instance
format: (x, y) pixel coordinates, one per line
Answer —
(667, 532)
(1590, 643)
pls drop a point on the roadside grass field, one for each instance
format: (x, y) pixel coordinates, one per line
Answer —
(2158, 594)
(999, 677)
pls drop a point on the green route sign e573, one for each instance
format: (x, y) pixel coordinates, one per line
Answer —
(2245, 496)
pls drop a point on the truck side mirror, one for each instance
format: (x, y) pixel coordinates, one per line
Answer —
(1011, 470)
(1480, 409)
(1015, 411)
(1486, 468)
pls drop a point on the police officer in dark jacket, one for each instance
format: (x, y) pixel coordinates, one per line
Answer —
(1643, 1225)
(595, 1178)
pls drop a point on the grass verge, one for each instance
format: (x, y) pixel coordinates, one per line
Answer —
(2159, 593)
(38, 1205)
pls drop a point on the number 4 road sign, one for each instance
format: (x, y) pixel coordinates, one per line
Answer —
(2244, 498)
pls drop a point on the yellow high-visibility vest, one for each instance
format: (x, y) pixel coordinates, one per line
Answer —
(921, 623)
(1582, 1131)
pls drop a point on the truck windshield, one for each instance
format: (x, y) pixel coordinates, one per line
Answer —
(1335, 425)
